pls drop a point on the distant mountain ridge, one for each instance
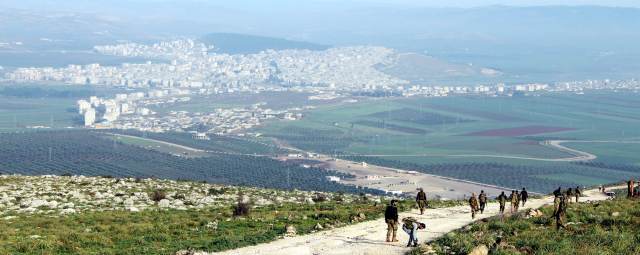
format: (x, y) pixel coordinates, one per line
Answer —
(246, 44)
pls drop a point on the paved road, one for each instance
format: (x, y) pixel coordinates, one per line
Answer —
(556, 144)
(368, 238)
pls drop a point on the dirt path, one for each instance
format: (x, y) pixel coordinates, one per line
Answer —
(158, 141)
(368, 238)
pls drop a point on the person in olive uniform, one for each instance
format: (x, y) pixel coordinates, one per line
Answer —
(421, 200)
(473, 203)
(561, 211)
(514, 201)
(502, 200)
(391, 218)
(578, 193)
(557, 194)
(482, 198)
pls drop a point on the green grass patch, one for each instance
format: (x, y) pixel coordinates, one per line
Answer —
(165, 232)
(592, 229)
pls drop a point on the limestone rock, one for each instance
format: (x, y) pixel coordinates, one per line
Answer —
(68, 211)
(480, 250)
(164, 203)
(185, 252)
(290, 230)
(128, 202)
(534, 213)
(178, 203)
(212, 225)
(427, 249)
(34, 203)
(309, 200)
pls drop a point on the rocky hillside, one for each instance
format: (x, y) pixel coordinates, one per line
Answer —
(49, 194)
(101, 215)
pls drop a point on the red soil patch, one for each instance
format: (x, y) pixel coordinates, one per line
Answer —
(520, 131)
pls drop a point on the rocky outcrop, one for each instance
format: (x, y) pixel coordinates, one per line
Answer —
(63, 195)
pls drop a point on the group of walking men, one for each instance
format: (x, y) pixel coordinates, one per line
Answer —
(478, 203)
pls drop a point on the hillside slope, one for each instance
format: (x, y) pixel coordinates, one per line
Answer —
(368, 238)
(95, 215)
(599, 227)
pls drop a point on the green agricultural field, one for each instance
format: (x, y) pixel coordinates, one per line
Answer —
(462, 130)
(18, 113)
(156, 145)
(48, 105)
(80, 152)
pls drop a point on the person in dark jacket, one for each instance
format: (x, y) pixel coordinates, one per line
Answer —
(391, 218)
(578, 193)
(502, 200)
(421, 200)
(558, 192)
(524, 195)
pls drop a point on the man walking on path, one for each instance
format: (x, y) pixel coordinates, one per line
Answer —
(391, 218)
(473, 203)
(561, 211)
(524, 195)
(514, 200)
(483, 201)
(556, 200)
(421, 200)
(578, 193)
(517, 201)
(502, 199)
(630, 187)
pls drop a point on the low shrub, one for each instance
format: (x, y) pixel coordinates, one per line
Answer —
(241, 209)
(158, 195)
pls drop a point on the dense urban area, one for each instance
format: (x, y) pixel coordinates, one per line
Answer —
(179, 71)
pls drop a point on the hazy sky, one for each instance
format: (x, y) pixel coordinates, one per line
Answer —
(73, 4)
(476, 3)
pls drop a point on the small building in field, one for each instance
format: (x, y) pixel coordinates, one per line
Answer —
(200, 136)
(333, 178)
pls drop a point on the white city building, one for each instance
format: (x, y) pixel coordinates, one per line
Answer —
(90, 117)
(83, 106)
